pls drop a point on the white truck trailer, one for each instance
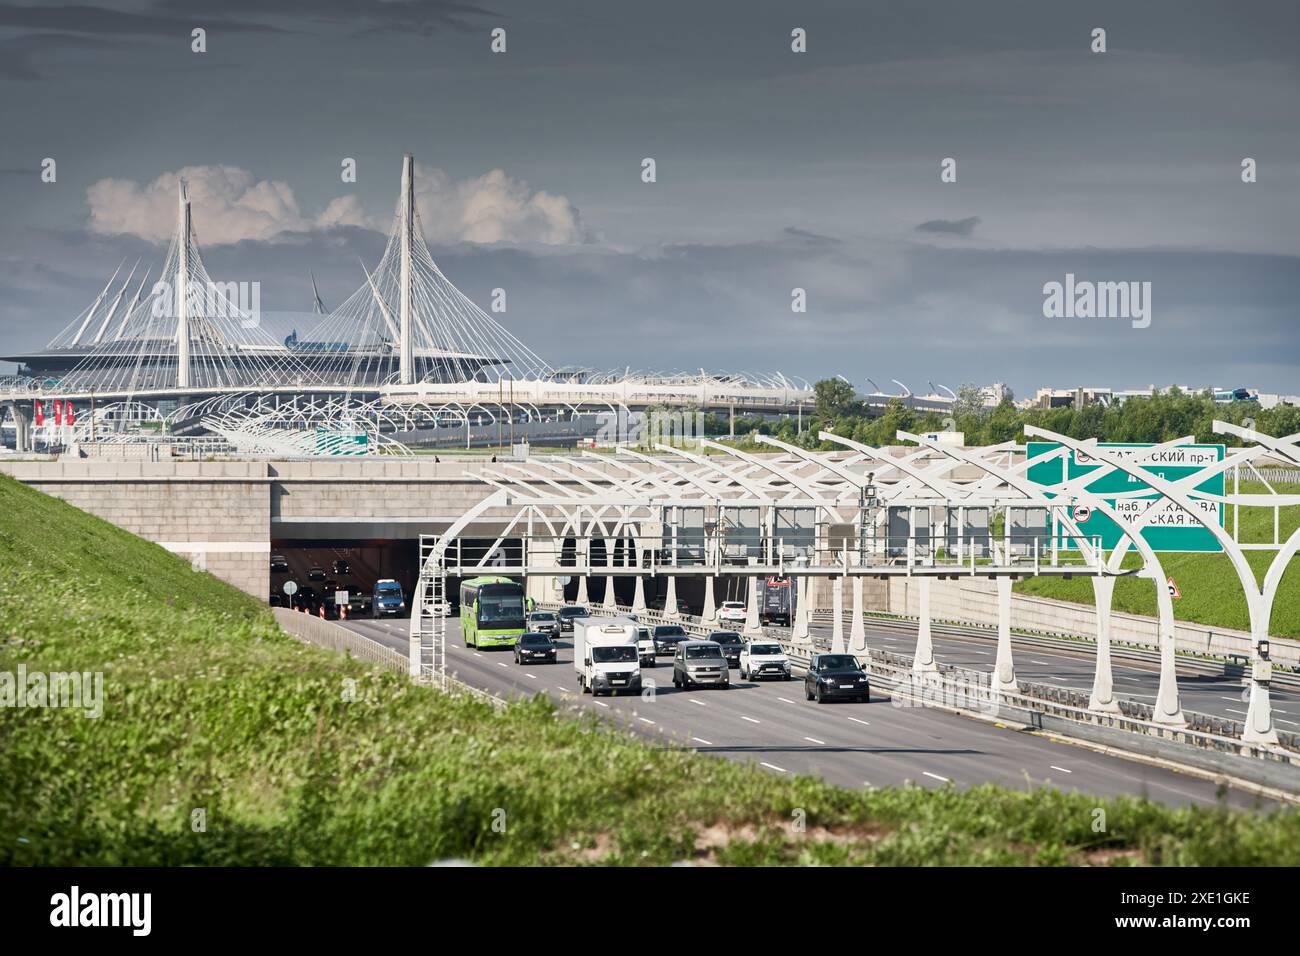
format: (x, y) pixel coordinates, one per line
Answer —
(605, 655)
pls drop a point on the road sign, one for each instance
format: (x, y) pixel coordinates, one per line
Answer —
(1173, 589)
(1080, 513)
(1170, 528)
(340, 598)
(290, 588)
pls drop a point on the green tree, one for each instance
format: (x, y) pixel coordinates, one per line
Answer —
(834, 396)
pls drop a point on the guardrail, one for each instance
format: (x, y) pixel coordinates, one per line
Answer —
(1230, 665)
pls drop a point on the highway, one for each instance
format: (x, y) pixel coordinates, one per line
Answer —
(854, 745)
(1204, 693)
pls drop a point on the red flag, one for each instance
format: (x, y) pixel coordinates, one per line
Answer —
(39, 412)
(58, 411)
(67, 413)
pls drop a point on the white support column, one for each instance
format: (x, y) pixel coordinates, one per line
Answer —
(752, 623)
(837, 616)
(1168, 711)
(923, 662)
(710, 605)
(670, 598)
(610, 602)
(183, 293)
(638, 595)
(582, 560)
(858, 628)
(1103, 682)
(1259, 727)
(1004, 671)
(800, 631)
(406, 363)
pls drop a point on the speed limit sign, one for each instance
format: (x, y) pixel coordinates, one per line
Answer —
(1081, 513)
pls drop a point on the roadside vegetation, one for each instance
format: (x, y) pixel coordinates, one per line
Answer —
(224, 742)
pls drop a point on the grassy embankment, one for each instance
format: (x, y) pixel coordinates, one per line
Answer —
(1211, 591)
(207, 705)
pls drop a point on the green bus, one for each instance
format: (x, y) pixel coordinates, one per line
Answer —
(491, 612)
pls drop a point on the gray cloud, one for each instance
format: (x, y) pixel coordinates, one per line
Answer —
(952, 227)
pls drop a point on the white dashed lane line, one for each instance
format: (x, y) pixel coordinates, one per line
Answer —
(816, 741)
(707, 743)
(750, 719)
(857, 721)
(936, 776)
(786, 700)
(698, 703)
(646, 720)
(1062, 769)
(772, 766)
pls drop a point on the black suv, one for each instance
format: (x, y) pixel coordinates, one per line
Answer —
(833, 676)
(569, 612)
(667, 637)
(732, 644)
(534, 647)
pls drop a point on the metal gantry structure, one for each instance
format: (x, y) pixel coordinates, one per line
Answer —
(937, 512)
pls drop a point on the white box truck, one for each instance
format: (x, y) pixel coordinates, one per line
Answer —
(605, 655)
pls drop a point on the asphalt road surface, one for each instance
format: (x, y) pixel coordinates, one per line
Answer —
(772, 725)
(1216, 694)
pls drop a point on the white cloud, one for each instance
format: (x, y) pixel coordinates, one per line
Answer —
(230, 204)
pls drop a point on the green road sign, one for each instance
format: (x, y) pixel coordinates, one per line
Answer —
(1171, 528)
(341, 442)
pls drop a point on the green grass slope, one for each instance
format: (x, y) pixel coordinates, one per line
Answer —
(208, 706)
(1211, 590)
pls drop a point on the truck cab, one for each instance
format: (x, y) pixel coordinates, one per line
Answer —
(388, 599)
(606, 655)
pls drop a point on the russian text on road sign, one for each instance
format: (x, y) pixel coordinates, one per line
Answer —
(1170, 527)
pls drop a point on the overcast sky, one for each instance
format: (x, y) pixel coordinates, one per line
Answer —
(776, 170)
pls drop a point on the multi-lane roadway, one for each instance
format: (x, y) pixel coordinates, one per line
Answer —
(854, 745)
(1206, 693)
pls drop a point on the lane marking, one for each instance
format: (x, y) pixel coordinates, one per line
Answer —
(936, 776)
(707, 743)
(1062, 769)
(1136, 680)
(750, 719)
(646, 720)
(531, 676)
(1044, 663)
(816, 741)
(786, 699)
(1291, 722)
(772, 766)
(501, 664)
(698, 703)
(477, 654)
(1232, 711)
(601, 703)
(985, 653)
(857, 721)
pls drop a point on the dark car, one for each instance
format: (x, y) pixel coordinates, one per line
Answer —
(307, 597)
(534, 647)
(544, 622)
(341, 567)
(667, 637)
(315, 574)
(700, 662)
(569, 612)
(278, 564)
(732, 644)
(834, 677)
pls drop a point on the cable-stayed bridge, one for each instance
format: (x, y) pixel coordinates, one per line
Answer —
(407, 336)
